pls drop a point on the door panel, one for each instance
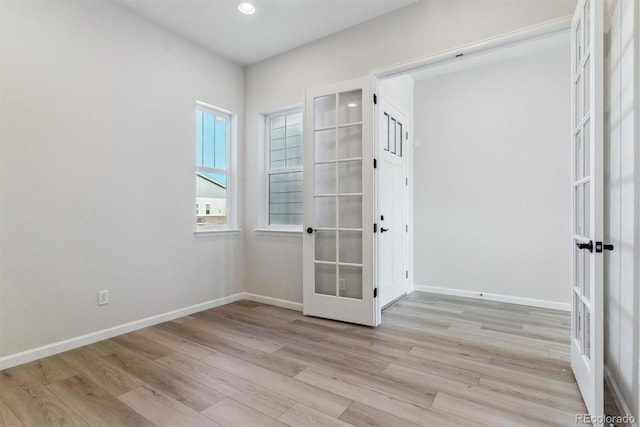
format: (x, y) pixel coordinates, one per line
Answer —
(392, 203)
(338, 203)
(587, 147)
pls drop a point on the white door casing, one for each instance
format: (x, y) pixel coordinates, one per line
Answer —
(587, 320)
(392, 202)
(338, 244)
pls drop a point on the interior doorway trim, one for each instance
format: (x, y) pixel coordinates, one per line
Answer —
(544, 29)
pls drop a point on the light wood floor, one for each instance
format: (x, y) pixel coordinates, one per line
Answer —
(435, 361)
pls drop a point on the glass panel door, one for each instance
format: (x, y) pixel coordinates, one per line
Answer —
(338, 245)
(587, 288)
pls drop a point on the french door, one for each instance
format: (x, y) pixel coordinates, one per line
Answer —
(587, 151)
(338, 246)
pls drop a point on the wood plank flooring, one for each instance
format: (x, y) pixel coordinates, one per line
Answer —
(436, 360)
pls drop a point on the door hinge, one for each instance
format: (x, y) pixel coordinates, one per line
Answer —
(406, 182)
(406, 274)
(406, 228)
(375, 228)
(407, 135)
(375, 163)
(375, 292)
(375, 98)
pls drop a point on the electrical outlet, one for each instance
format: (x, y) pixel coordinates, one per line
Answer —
(343, 285)
(103, 297)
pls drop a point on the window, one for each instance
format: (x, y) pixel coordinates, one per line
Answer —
(393, 139)
(213, 129)
(284, 168)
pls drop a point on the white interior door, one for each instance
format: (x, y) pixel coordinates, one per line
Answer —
(392, 203)
(587, 141)
(338, 246)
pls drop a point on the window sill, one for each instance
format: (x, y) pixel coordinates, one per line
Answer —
(283, 231)
(217, 231)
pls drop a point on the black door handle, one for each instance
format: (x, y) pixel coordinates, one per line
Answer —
(382, 229)
(310, 230)
(588, 246)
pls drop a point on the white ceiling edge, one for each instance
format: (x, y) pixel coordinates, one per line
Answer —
(496, 54)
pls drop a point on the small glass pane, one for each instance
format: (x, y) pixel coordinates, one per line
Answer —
(587, 333)
(350, 177)
(325, 212)
(586, 224)
(350, 107)
(325, 245)
(586, 147)
(350, 282)
(385, 131)
(577, 319)
(351, 247)
(577, 267)
(579, 208)
(578, 156)
(211, 192)
(285, 198)
(325, 145)
(578, 101)
(586, 274)
(325, 112)
(578, 39)
(325, 178)
(392, 135)
(350, 212)
(586, 89)
(325, 276)
(580, 269)
(399, 139)
(587, 24)
(350, 142)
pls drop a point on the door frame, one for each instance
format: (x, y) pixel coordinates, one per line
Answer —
(543, 30)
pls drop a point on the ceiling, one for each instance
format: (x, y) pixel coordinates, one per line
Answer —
(277, 25)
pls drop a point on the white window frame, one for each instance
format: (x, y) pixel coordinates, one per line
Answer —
(231, 223)
(283, 228)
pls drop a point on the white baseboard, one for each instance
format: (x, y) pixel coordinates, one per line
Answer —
(61, 346)
(274, 301)
(623, 408)
(495, 297)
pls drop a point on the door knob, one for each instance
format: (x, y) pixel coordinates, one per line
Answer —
(382, 229)
(588, 246)
(310, 230)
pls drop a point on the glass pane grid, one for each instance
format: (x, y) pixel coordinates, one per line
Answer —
(338, 194)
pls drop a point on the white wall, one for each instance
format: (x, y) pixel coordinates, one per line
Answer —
(492, 179)
(97, 185)
(424, 28)
(621, 215)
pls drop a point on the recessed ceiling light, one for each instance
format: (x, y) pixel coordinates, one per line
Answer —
(247, 8)
(352, 105)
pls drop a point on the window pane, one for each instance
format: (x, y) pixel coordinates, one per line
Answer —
(211, 198)
(220, 150)
(199, 138)
(208, 135)
(285, 198)
(285, 139)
